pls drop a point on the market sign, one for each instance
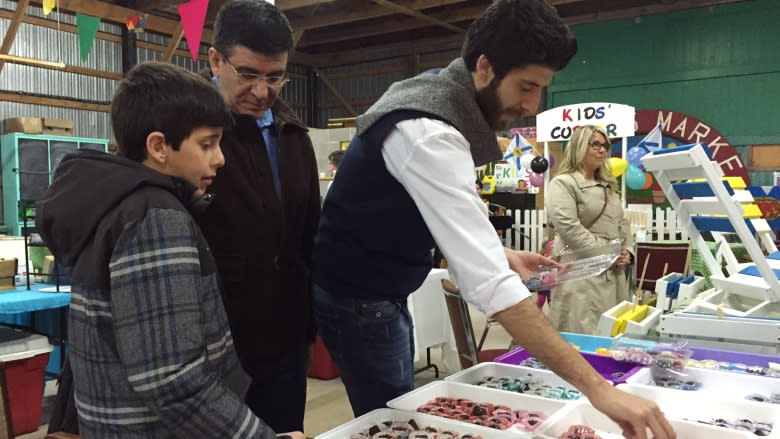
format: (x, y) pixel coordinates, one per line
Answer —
(558, 124)
(688, 129)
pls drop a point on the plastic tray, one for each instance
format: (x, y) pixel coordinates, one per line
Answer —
(582, 413)
(606, 366)
(344, 431)
(414, 399)
(587, 343)
(474, 374)
(716, 382)
(689, 405)
(747, 358)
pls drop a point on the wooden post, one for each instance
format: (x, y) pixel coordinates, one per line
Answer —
(5, 49)
(173, 44)
(335, 91)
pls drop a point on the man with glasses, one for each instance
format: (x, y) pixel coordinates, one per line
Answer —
(265, 212)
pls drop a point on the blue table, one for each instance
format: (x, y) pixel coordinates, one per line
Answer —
(18, 309)
(21, 300)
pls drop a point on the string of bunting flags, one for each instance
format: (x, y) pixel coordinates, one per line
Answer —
(192, 14)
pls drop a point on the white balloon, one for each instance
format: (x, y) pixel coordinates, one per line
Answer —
(525, 160)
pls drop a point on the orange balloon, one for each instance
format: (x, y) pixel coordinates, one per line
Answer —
(648, 181)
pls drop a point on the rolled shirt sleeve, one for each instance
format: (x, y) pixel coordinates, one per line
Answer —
(433, 162)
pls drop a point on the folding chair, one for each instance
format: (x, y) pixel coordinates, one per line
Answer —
(469, 353)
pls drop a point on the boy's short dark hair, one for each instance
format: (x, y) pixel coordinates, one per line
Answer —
(517, 33)
(255, 24)
(162, 97)
(336, 156)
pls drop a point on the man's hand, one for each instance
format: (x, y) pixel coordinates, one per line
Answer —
(528, 327)
(622, 261)
(292, 435)
(526, 264)
(634, 415)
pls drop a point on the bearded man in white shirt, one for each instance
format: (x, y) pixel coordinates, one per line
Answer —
(406, 184)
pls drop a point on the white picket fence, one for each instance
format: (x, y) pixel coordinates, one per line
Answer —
(527, 233)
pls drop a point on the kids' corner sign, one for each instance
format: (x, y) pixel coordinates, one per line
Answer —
(558, 124)
(688, 129)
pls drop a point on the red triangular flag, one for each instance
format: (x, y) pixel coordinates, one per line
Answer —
(193, 17)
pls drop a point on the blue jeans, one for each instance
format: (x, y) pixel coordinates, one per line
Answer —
(372, 343)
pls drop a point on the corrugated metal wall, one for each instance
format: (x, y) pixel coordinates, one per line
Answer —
(50, 44)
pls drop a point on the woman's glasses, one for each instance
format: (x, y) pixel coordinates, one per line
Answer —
(596, 145)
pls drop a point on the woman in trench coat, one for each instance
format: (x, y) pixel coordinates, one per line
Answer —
(584, 207)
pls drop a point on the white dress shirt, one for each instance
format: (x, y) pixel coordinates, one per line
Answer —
(432, 161)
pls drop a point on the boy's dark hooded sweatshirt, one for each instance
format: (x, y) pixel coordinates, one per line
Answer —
(149, 340)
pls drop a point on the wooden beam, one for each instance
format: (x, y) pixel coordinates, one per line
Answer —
(390, 51)
(53, 102)
(335, 91)
(59, 66)
(92, 72)
(148, 5)
(417, 14)
(117, 14)
(414, 64)
(21, 9)
(295, 4)
(173, 44)
(333, 35)
(297, 37)
(366, 13)
(31, 62)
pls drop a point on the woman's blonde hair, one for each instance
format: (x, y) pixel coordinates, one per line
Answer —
(574, 156)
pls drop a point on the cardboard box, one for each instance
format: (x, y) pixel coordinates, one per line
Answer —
(8, 270)
(57, 127)
(29, 125)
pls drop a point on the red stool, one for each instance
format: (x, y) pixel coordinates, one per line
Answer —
(322, 366)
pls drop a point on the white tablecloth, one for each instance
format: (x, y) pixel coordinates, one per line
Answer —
(431, 321)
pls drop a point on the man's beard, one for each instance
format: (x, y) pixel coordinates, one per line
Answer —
(487, 99)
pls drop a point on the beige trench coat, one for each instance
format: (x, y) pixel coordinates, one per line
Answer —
(572, 202)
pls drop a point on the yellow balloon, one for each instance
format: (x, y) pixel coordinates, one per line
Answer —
(618, 166)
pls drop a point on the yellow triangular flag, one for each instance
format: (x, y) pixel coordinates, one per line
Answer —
(48, 6)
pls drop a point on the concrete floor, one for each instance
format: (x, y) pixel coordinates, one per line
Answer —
(327, 405)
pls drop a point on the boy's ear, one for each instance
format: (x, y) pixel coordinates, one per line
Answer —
(156, 147)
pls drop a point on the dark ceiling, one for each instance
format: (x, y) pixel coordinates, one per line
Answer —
(347, 31)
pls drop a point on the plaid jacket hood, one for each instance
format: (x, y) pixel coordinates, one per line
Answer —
(86, 186)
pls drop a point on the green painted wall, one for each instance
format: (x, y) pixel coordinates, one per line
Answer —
(719, 64)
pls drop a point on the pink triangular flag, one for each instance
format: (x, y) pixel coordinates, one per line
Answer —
(193, 17)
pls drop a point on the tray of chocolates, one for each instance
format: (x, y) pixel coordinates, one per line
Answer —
(731, 414)
(398, 424)
(581, 420)
(517, 379)
(467, 404)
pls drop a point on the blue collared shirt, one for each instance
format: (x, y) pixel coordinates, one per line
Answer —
(270, 137)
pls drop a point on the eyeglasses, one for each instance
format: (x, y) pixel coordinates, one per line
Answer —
(274, 81)
(596, 145)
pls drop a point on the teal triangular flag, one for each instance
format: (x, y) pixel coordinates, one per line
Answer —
(87, 28)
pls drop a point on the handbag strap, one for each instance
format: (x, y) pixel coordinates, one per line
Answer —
(603, 208)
